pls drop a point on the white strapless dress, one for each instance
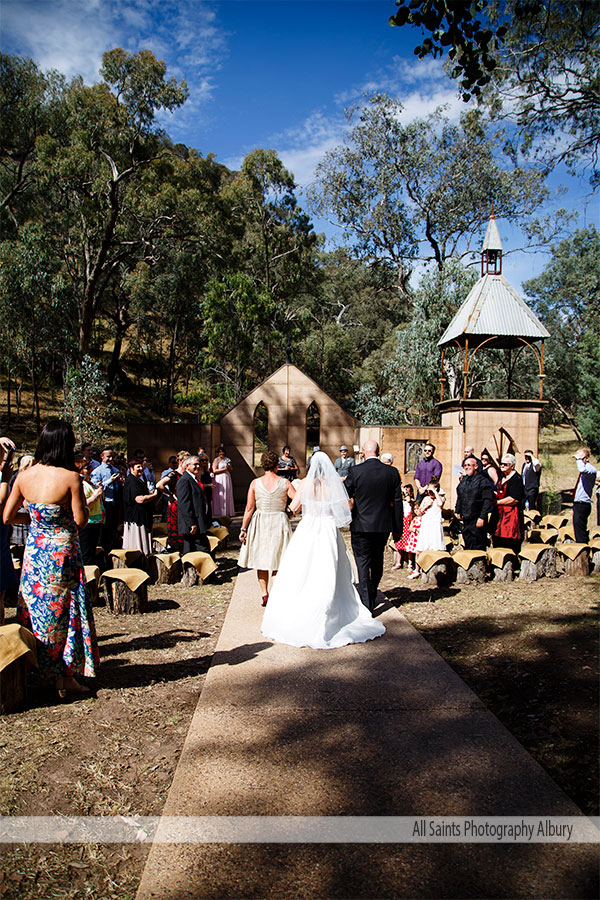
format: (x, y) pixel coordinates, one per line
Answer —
(313, 602)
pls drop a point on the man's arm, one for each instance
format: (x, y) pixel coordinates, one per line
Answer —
(185, 508)
(487, 494)
(398, 505)
(437, 469)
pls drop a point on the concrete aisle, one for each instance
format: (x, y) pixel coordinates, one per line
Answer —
(382, 728)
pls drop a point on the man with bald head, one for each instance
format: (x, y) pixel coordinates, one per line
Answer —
(376, 491)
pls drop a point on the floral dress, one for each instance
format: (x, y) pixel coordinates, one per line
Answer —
(54, 602)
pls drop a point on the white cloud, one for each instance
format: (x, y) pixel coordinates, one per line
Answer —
(72, 35)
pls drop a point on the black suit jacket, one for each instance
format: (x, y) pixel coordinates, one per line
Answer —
(377, 492)
(191, 505)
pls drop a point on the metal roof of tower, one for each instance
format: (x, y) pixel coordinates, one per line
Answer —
(492, 240)
(493, 310)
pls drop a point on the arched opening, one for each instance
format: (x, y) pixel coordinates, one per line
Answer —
(261, 433)
(313, 429)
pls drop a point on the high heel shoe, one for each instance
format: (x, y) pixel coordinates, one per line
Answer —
(73, 688)
(265, 600)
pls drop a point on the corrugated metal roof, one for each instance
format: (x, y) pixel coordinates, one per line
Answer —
(492, 239)
(493, 308)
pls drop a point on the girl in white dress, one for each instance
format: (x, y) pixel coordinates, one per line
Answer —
(314, 602)
(431, 532)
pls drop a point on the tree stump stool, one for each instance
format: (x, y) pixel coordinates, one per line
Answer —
(126, 591)
(576, 557)
(555, 522)
(537, 561)
(164, 568)
(221, 533)
(197, 567)
(17, 551)
(594, 532)
(17, 649)
(159, 529)
(502, 562)
(437, 568)
(470, 566)
(595, 552)
(159, 544)
(127, 559)
(92, 577)
(566, 535)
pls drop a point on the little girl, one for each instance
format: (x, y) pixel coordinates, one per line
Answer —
(408, 497)
(431, 533)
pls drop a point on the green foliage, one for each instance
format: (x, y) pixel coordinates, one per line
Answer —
(565, 297)
(460, 28)
(400, 191)
(86, 404)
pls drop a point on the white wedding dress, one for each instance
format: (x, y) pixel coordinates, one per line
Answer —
(313, 602)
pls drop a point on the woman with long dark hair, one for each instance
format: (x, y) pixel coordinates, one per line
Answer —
(54, 602)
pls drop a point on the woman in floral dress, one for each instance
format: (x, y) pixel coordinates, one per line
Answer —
(54, 602)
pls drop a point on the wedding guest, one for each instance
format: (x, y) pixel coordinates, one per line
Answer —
(87, 451)
(8, 579)
(431, 531)
(137, 510)
(474, 503)
(266, 530)
(175, 539)
(510, 501)
(109, 476)
(470, 452)
(489, 467)
(192, 513)
(582, 496)
(531, 472)
(206, 480)
(343, 463)
(19, 531)
(287, 467)
(54, 602)
(90, 534)
(427, 468)
(166, 495)
(408, 502)
(223, 504)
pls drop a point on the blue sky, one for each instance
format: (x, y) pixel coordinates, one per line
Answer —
(275, 74)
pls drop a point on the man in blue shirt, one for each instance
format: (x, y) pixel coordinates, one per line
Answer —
(582, 497)
(109, 476)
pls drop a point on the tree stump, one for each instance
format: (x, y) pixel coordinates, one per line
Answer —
(12, 686)
(159, 544)
(161, 572)
(126, 591)
(505, 572)
(127, 559)
(190, 577)
(596, 561)
(578, 566)
(439, 575)
(544, 566)
(475, 574)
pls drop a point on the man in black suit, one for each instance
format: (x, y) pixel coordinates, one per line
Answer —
(376, 491)
(191, 508)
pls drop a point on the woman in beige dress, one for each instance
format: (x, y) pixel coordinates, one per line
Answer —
(266, 530)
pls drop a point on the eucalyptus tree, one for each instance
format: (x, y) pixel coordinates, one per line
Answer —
(276, 248)
(565, 297)
(421, 191)
(90, 172)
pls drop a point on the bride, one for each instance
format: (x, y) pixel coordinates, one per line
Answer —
(314, 602)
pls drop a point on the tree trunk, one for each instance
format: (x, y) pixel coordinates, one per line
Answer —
(506, 573)
(8, 389)
(578, 566)
(190, 576)
(475, 574)
(121, 600)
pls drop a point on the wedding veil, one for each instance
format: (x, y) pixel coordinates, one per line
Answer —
(323, 491)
